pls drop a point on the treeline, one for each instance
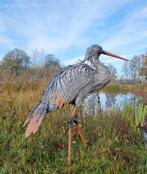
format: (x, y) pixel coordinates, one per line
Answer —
(17, 63)
(135, 69)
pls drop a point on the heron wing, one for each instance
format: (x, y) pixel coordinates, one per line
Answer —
(63, 89)
(66, 85)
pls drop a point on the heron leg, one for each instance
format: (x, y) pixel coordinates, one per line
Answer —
(80, 133)
(73, 121)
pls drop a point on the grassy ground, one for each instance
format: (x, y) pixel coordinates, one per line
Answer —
(115, 145)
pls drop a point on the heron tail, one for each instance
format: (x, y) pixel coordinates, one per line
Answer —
(35, 118)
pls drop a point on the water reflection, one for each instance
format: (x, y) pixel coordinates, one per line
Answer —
(104, 101)
(92, 104)
(109, 101)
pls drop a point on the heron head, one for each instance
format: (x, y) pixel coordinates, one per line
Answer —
(95, 51)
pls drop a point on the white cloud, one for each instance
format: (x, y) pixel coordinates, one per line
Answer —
(55, 26)
(129, 39)
(133, 31)
(72, 60)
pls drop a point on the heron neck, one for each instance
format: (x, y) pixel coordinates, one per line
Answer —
(94, 62)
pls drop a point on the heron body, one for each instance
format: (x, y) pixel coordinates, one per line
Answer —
(71, 86)
(74, 84)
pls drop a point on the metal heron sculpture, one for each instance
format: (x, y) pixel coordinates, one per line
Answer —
(72, 86)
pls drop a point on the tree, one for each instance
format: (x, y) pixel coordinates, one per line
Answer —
(134, 68)
(51, 62)
(143, 70)
(113, 72)
(125, 70)
(37, 57)
(15, 61)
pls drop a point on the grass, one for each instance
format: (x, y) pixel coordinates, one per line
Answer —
(115, 144)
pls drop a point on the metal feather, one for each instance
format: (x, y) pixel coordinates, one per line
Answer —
(72, 85)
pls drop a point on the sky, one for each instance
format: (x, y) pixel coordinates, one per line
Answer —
(66, 28)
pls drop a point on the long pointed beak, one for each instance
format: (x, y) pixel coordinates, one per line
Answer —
(113, 55)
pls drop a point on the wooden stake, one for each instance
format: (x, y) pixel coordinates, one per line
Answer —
(81, 135)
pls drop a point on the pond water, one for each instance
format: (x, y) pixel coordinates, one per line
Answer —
(106, 101)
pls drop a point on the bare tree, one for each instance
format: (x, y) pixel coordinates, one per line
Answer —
(37, 57)
(113, 72)
(125, 71)
(134, 68)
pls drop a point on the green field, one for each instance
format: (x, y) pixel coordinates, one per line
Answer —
(115, 143)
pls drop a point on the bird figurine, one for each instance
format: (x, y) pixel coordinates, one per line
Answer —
(71, 86)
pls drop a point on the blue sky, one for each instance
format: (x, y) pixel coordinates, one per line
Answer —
(67, 27)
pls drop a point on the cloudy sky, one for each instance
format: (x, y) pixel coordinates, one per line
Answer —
(67, 27)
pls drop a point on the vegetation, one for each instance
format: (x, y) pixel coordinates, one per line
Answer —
(113, 72)
(51, 62)
(135, 69)
(115, 144)
(16, 63)
(143, 70)
(115, 141)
